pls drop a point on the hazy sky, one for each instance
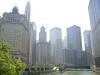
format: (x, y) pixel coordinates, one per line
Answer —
(51, 13)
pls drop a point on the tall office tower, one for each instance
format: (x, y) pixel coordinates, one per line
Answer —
(88, 49)
(15, 29)
(33, 43)
(28, 11)
(56, 46)
(94, 13)
(43, 54)
(74, 43)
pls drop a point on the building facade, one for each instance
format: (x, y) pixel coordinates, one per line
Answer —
(15, 29)
(64, 43)
(56, 46)
(74, 43)
(94, 14)
(70, 57)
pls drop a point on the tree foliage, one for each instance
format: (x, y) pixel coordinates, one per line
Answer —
(9, 65)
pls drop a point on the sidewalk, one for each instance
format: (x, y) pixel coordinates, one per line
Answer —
(95, 69)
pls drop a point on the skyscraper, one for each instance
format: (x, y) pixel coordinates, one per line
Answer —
(56, 46)
(15, 29)
(74, 43)
(33, 43)
(88, 48)
(94, 13)
(27, 14)
(43, 48)
(28, 11)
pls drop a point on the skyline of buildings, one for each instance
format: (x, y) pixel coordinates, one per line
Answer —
(17, 29)
(27, 13)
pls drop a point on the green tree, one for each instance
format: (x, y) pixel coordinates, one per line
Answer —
(9, 65)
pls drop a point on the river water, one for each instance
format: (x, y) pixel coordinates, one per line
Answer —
(78, 73)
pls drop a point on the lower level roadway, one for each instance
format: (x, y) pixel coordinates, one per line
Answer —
(78, 73)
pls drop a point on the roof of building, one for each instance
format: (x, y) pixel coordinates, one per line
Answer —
(15, 10)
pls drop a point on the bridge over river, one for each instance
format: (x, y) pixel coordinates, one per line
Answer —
(77, 73)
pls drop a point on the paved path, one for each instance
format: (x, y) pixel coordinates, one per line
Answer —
(78, 73)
